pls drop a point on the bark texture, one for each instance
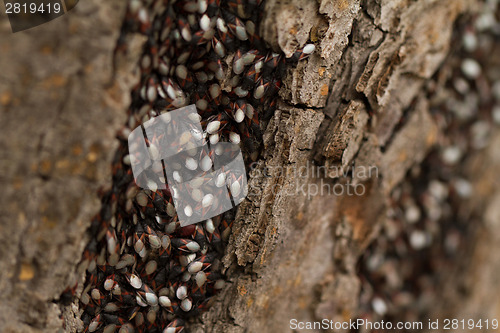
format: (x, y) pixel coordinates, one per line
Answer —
(359, 100)
(60, 111)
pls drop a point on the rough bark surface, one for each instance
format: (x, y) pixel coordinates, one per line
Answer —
(60, 111)
(293, 255)
(357, 101)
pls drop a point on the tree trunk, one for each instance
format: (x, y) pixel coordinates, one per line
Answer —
(360, 137)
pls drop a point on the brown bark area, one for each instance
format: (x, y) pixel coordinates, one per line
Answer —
(290, 255)
(60, 111)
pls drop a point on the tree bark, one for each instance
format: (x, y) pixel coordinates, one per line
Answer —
(61, 109)
(360, 102)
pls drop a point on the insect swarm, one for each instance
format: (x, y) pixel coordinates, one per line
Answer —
(144, 272)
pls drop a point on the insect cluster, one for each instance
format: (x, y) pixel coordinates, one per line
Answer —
(144, 272)
(432, 221)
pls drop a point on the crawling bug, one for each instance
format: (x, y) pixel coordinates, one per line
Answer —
(68, 295)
